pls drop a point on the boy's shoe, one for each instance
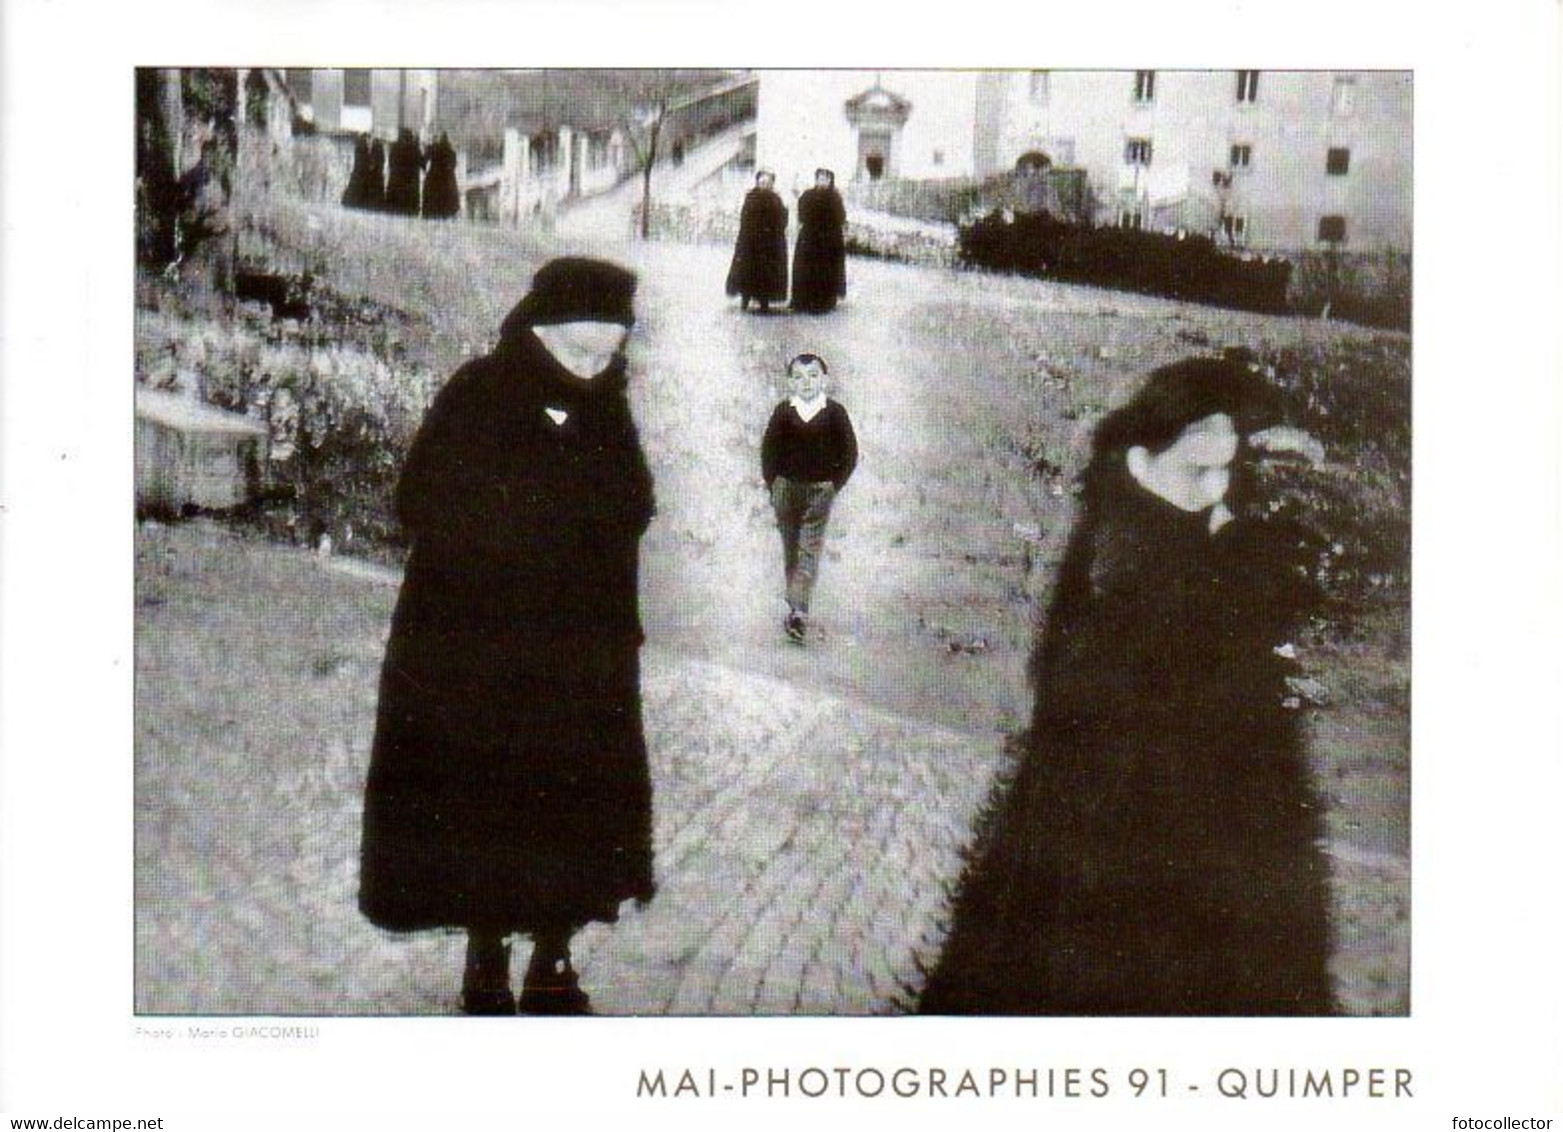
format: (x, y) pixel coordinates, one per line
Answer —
(796, 628)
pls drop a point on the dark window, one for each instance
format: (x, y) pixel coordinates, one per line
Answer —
(1144, 86)
(1338, 163)
(1332, 229)
(1240, 156)
(357, 85)
(1235, 228)
(1248, 86)
(1137, 151)
(301, 81)
(1130, 218)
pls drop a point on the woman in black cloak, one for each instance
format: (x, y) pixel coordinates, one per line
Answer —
(819, 262)
(404, 179)
(508, 790)
(356, 195)
(759, 269)
(441, 199)
(1157, 852)
(374, 183)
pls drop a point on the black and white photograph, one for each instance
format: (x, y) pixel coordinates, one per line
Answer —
(1013, 618)
(598, 559)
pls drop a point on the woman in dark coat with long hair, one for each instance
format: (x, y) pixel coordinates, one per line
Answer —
(819, 262)
(1157, 850)
(509, 790)
(759, 268)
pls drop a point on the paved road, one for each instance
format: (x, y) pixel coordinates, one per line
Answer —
(803, 841)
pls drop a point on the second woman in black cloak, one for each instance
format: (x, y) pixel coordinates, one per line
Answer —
(404, 176)
(508, 790)
(1157, 850)
(357, 194)
(374, 180)
(441, 197)
(819, 262)
(759, 268)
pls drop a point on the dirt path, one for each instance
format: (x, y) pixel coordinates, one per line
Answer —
(713, 562)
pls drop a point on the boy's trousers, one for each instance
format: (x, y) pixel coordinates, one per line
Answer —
(802, 511)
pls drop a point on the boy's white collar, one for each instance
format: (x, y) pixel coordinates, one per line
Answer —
(808, 409)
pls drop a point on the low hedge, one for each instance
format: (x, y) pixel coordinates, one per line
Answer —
(1354, 396)
(1189, 267)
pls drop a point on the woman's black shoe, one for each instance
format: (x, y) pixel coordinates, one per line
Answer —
(488, 1003)
(485, 984)
(553, 992)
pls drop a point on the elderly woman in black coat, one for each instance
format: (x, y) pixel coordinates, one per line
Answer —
(1157, 850)
(759, 268)
(819, 261)
(404, 176)
(357, 194)
(441, 196)
(508, 790)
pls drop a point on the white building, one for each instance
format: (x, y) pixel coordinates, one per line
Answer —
(1274, 159)
(365, 100)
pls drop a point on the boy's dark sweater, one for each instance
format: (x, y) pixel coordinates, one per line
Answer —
(813, 451)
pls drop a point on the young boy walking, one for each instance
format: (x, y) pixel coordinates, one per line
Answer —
(808, 454)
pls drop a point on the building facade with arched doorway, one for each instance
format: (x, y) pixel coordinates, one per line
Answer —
(1282, 160)
(865, 125)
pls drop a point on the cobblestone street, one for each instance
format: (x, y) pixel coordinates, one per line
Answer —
(803, 842)
(804, 849)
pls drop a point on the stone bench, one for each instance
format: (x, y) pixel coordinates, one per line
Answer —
(192, 455)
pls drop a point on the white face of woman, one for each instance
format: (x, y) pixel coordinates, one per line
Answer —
(585, 349)
(1196, 470)
(823, 180)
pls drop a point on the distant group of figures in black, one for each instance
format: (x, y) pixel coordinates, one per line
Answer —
(404, 178)
(819, 273)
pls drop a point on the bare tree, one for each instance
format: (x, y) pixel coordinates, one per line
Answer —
(646, 99)
(650, 117)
